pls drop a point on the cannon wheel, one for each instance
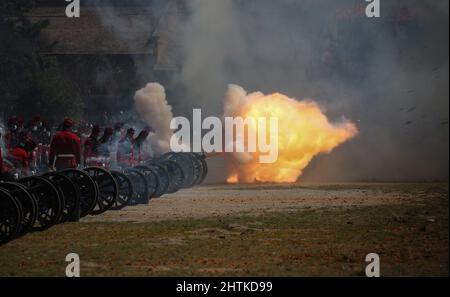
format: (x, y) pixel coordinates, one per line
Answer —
(69, 190)
(152, 178)
(204, 167)
(125, 189)
(27, 202)
(186, 164)
(162, 174)
(60, 194)
(140, 186)
(87, 189)
(49, 202)
(198, 168)
(108, 190)
(175, 174)
(10, 216)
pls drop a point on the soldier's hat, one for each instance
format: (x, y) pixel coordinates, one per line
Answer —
(68, 123)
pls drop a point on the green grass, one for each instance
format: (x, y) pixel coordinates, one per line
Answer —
(411, 239)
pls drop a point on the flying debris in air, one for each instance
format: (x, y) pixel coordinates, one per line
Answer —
(407, 123)
(411, 109)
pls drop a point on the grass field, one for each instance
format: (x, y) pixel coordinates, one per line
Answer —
(410, 236)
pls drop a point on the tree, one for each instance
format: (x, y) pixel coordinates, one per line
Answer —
(31, 82)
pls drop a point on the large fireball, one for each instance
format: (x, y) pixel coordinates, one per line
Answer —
(303, 132)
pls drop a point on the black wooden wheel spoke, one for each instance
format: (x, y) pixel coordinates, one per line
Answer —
(141, 193)
(156, 185)
(107, 188)
(50, 203)
(10, 216)
(111, 193)
(125, 189)
(27, 202)
(71, 194)
(88, 195)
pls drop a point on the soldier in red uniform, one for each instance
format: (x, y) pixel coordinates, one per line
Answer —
(65, 148)
(46, 133)
(33, 127)
(138, 143)
(20, 123)
(117, 133)
(91, 145)
(114, 141)
(104, 142)
(125, 148)
(19, 157)
(42, 136)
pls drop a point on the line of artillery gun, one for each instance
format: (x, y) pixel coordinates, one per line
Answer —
(37, 202)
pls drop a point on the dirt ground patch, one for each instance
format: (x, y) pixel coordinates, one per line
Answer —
(223, 200)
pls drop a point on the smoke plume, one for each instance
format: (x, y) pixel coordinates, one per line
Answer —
(152, 106)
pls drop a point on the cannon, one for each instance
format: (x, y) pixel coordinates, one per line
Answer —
(28, 204)
(35, 203)
(10, 216)
(49, 200)
(71, 193)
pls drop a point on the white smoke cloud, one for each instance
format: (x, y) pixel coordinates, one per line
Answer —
(234, 98)
(152, 106)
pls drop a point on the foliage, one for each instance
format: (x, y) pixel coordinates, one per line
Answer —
(30, 81)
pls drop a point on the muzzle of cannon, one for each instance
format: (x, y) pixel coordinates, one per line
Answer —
(36, 203)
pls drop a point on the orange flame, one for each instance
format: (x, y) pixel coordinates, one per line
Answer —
(232, 179)
(303, 132)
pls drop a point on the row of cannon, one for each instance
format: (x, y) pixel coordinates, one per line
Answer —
(39, 202)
